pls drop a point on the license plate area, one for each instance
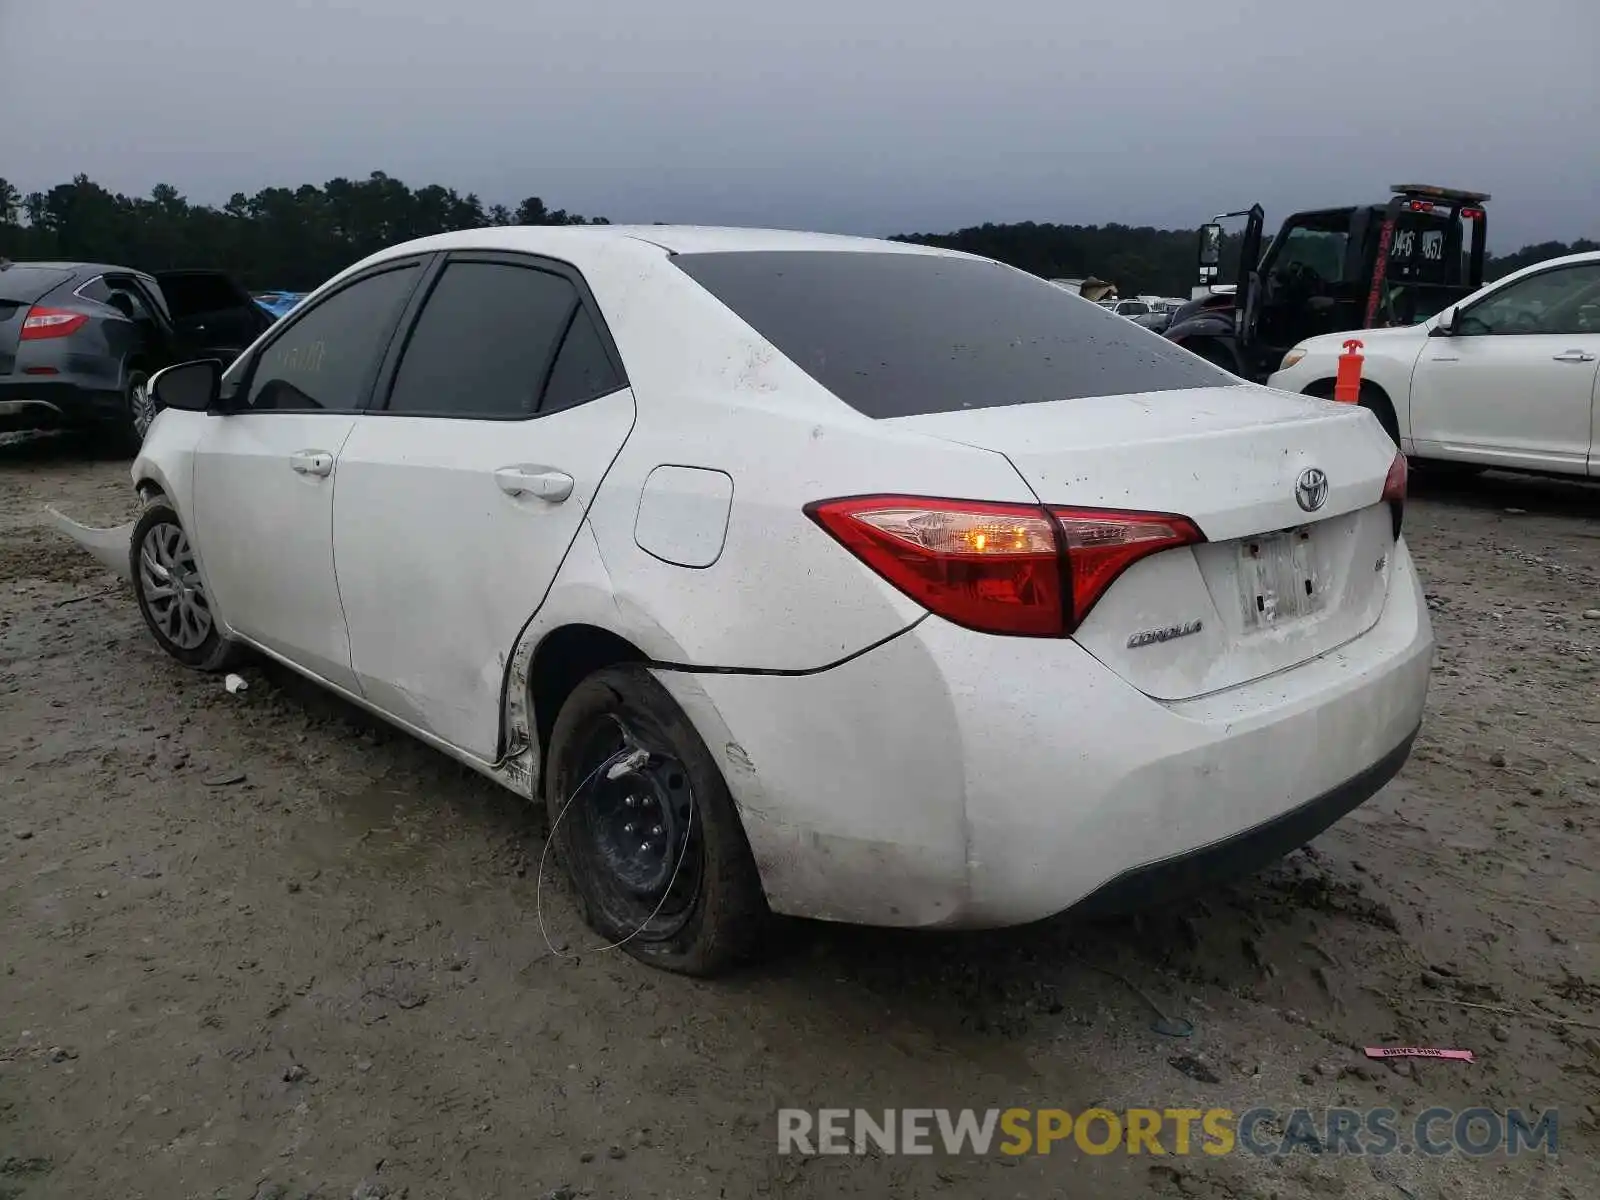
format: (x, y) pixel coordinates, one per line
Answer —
(1277, 581)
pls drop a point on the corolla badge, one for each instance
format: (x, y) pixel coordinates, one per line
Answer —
(1152, 637)
(1311, 489)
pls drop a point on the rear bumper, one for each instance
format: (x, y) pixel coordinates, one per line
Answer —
(1245, 852)
(950, 779)
(42, 402)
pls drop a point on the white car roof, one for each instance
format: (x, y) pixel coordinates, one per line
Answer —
(581, 244)
(678, 239)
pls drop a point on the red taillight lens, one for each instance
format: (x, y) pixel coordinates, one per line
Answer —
(1394, 490)
(1472, 214)
(51, 323)
(999, 568)
(1102, 544)
(992, 567)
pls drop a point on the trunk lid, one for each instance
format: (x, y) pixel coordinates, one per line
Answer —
(1274, 585)
(20, 287)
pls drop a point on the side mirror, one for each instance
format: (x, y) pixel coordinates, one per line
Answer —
(1210, 245)
(189, 387)
(1445, 326)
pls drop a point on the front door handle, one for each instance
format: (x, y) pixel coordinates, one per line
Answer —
(312, 462)
(1573, 356)
(546, 484)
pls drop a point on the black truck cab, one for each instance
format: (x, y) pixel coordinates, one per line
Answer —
(1331, 270)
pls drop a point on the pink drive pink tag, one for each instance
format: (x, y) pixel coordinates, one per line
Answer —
(1417, 1052)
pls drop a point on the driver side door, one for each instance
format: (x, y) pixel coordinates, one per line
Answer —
(265, 469)
(1302, 287)
(1514, 385)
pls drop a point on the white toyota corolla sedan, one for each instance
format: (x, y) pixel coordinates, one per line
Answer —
(794, 573)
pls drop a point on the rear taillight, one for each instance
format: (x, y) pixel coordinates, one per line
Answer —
(1103, 544)
(999, 568)
(994, 567)
(1394, 491)
(51, 323)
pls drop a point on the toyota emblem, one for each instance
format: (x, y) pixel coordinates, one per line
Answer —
(1311, 489)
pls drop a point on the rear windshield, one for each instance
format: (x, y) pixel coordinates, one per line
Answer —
(24, 285)
(894, 334)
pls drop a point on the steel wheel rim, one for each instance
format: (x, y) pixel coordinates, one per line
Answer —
(170, 583)
(652, 895)
(143, 406)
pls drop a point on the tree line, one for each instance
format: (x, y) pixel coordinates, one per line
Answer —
(288, 238)
(294, 238)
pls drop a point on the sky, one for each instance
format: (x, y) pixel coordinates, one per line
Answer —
(851, 116)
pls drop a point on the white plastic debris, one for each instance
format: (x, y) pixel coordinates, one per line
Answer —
(109, 546)
(235, 684)
(632, 762)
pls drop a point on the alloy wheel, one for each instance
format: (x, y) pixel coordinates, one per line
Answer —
(172, 588)
(142, 407)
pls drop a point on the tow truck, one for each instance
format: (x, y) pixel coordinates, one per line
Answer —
(1333, 269)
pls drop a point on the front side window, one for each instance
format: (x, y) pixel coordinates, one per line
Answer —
(326, 360)
(1559, 301)
(484, 342)
(897, 334)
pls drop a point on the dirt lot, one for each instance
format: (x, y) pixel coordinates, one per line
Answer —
(261, 946)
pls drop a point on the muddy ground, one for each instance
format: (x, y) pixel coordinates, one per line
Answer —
(259, 945)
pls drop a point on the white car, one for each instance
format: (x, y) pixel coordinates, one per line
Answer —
(1130, 308)
(1505, 378)
(836, 577)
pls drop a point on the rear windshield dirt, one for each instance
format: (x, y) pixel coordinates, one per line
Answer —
(24, 285)
(895, 335)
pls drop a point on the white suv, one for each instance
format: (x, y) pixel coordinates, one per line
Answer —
(1505, 378)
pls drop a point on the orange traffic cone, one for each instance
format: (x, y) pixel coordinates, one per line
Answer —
(1347, 386)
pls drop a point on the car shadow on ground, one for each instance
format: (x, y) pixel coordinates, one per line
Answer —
(1503, 490)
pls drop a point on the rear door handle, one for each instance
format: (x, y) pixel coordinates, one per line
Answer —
(546, 484)
(312, 462)
(1574, 356)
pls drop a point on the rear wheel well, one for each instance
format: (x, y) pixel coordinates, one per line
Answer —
(564, 659)
(1372, 397)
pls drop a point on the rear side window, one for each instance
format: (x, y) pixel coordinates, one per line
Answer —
(894, 334)
(24, 285)
(582, 370)
(326, 360)
(484, 342)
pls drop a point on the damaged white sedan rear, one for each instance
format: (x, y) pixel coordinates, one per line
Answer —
(823, 576)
